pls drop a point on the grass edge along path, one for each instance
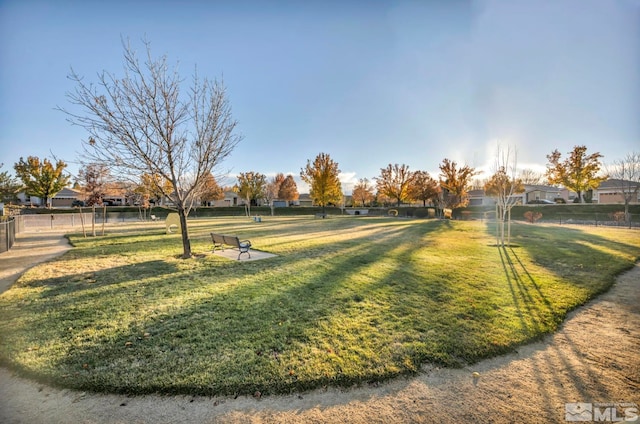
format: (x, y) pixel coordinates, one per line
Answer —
(347, 301)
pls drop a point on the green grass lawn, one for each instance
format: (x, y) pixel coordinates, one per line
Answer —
(346, 301)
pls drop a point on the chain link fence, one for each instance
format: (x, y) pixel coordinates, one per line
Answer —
(542, 215)
(60, 221)
(597, 219)
(9, 227)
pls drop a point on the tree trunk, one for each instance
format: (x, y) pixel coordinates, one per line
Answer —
(497, 225)
(186, 243)
(627, 217)
(509, 228)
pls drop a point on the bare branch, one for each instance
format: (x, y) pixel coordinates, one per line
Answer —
(142, 123)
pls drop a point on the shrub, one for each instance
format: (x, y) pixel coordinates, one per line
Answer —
(617, 216)
(532, 216)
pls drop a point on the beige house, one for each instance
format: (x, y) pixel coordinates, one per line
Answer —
(230, 199)
(611, 192)
(65, 198)
(532, 193)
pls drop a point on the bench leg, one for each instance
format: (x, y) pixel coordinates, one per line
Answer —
(244, 251)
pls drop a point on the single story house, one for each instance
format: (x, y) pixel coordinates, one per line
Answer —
(612, 190)
(532, 192)
(65, 197)
(230, 199)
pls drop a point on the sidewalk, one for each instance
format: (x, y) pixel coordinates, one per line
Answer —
(30, 249)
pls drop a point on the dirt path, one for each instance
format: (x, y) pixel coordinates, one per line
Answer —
(29, 250)
(594, 357)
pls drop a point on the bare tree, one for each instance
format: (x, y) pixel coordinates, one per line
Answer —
(503, 186)
(271, 190)
(94, 178)
(625, 174)
(143, 123)
(531, 177)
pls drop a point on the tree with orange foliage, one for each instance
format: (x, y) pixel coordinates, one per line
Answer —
(455, 183)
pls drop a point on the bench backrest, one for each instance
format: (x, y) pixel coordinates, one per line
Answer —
(217, 238)
(232, 241)
(228, 240)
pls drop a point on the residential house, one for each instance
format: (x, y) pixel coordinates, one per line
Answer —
(532, 192)
(230, 199)
(611, 191)
(25, 199)
(65, 197)
(303, 200)
(478, 198)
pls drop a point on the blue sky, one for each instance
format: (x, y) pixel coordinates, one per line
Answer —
(370, 83)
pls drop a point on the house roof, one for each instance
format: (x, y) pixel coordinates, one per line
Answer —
(615, 183)
(67, 193)
(539, 187)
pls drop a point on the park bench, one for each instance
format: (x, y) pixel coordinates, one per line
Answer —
(220, 241)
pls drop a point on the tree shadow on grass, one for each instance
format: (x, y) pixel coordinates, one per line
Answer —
(584, 265)
(233, 339)
(237, 328)
(531, 303)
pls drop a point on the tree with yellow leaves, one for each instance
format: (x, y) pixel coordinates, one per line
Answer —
(42, 178)
(578, 172)
(322, 177)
